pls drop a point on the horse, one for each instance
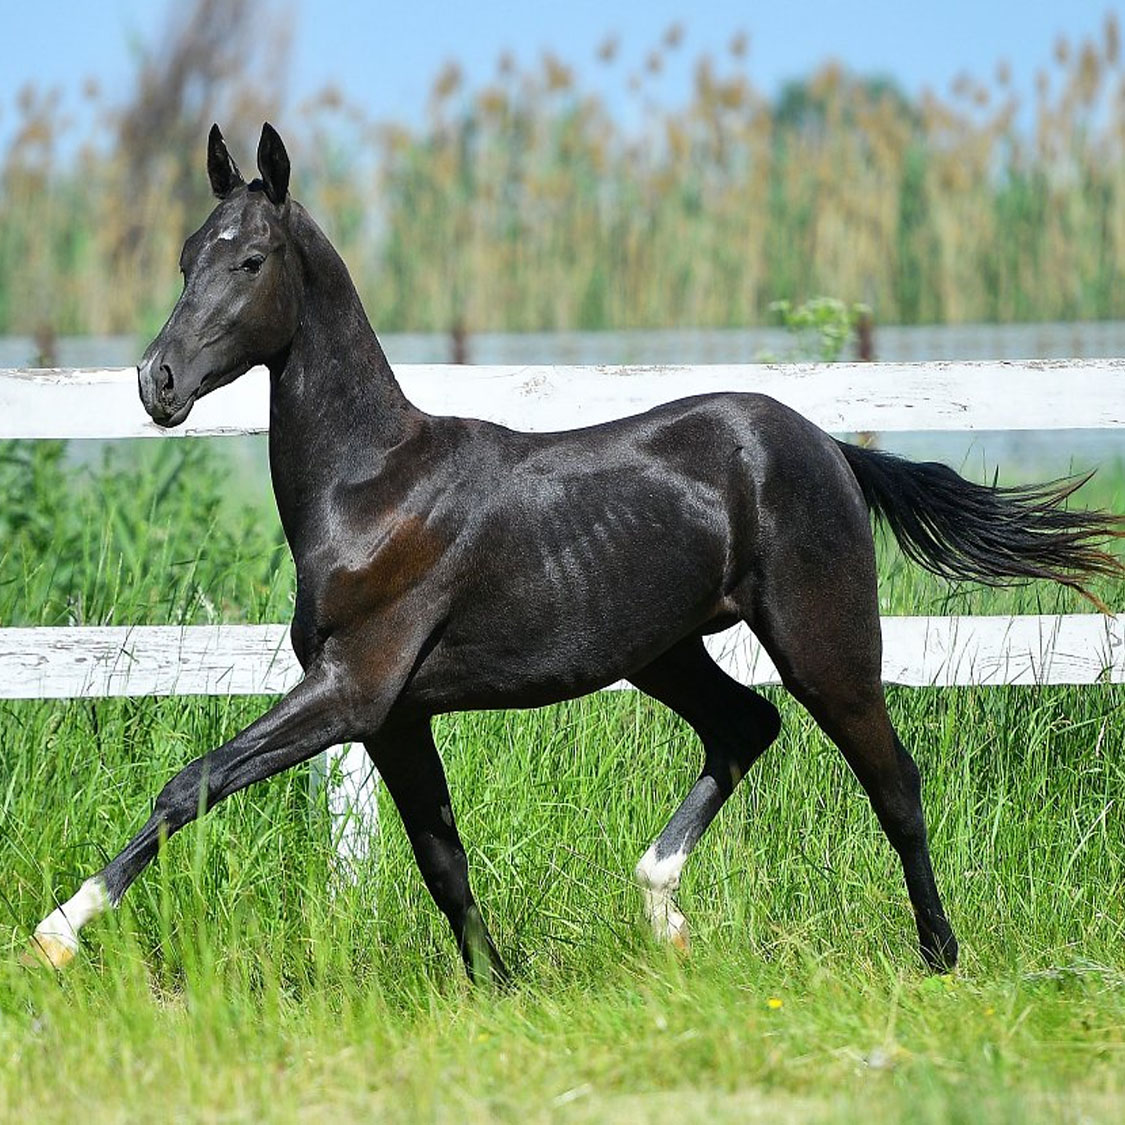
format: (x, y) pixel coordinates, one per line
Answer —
(446, 564)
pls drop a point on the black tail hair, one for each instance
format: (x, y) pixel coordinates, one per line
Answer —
(961, 530)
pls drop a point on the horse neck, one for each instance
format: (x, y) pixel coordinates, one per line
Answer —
(335, 405)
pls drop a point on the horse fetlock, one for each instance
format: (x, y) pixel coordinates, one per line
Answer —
(940, 952)
(659, 879)
(55, 941)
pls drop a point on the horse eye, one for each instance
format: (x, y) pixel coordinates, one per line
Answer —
(252, 264)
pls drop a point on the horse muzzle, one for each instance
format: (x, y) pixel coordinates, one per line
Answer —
(163, 400)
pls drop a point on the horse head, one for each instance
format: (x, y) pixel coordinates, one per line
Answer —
(240, 303)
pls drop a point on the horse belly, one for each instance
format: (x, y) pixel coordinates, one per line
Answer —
(565, 617)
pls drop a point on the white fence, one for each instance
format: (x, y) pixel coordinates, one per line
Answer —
(88, 662)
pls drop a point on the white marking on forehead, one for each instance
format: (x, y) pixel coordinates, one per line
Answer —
(231, 231)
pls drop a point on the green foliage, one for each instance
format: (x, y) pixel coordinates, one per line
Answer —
(820, 327)
(149, 537)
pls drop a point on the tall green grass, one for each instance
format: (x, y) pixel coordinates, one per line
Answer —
(235, 984)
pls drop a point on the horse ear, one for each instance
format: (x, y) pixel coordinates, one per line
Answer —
(273, 165)
(221, 169)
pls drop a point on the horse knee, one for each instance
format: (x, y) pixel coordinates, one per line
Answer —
(179, 801)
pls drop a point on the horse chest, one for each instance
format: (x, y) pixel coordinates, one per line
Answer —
(368, 584)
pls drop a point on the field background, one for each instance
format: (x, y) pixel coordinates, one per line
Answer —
(521, 203)
(234, 985)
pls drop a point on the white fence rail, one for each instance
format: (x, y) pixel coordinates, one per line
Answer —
(841, 398)
(97, 662)
(51, 663)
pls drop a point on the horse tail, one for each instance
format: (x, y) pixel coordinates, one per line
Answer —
(961, 530)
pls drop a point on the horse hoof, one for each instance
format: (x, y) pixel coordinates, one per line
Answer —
(47, 950)
(672, 930)
(680, 941)
(941, 959)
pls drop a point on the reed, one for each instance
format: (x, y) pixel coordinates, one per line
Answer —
(522, 202)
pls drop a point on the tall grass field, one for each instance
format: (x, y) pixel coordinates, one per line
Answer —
(239, 982)
(556, 193)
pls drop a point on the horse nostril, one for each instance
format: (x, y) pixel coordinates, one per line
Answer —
(167, 384)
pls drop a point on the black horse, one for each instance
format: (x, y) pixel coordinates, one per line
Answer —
(446, 564)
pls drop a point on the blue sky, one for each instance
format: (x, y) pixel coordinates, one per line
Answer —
(384, 55)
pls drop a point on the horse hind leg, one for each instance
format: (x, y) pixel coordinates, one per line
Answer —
(820, 625)
(857, 721)
(735, 725)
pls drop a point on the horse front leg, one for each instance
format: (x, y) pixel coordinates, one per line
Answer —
(410, 766)
(319, 712)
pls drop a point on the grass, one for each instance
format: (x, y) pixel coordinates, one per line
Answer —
(235, 985)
